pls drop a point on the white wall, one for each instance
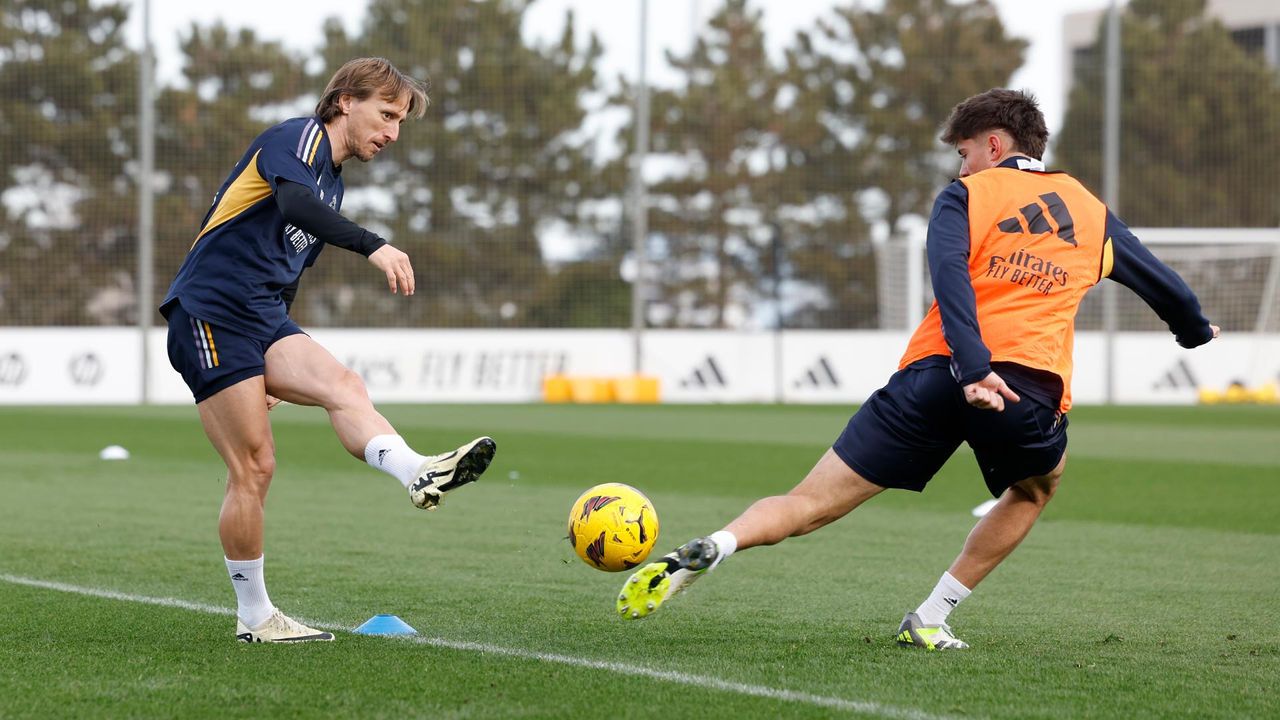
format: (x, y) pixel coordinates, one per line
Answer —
(103, 365)
(41, 366)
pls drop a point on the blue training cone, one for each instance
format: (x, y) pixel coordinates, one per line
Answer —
(385, 625)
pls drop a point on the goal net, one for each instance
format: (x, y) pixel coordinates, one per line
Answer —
(1234, 271)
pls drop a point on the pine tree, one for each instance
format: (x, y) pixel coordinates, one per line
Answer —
(1199, 135)
(67, 136)
(497, 160)
(709, 219)
(871, 89)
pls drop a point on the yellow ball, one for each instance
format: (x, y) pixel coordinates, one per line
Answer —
(613, 527)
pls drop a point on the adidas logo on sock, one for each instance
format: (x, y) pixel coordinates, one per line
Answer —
(239, 578)
(952, 601)
(382, 454)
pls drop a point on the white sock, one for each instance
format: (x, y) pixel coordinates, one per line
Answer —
(391, 455)
(251, 592)
(946, 595)
(726, 545)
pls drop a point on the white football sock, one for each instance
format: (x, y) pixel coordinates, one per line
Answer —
(726, 545)
(251, 592)
(946, 595)
(391, 455)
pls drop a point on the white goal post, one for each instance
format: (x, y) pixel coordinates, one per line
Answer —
(1250, 274)
(1236, 274)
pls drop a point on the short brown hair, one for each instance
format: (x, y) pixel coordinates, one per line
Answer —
(1014, 111)
(361, 77)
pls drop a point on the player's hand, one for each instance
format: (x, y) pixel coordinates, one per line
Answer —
(395, 264)
(989, 393)
(1215, 329)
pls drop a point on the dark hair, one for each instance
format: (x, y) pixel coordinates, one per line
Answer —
(361, 77)
(1014, 111)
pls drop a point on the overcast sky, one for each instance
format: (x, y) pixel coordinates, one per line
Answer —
(671, 25)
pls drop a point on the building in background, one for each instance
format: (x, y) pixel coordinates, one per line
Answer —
(1254, 24)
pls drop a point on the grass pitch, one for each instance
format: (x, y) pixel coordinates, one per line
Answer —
(1147, 590)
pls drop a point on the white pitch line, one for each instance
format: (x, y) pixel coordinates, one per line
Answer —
(673, 676)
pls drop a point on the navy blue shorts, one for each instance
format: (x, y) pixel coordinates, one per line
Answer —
(213, 358)
(905, 432)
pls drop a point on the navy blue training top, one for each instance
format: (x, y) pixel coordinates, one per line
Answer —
(246, 252)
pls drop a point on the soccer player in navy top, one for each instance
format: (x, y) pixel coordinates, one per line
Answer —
(231, 338)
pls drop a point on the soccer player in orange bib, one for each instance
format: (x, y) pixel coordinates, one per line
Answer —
(1012, 251)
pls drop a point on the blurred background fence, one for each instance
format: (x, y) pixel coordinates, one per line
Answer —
(778, 190)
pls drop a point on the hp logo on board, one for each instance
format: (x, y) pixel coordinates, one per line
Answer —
(85, 369)
(13, 369)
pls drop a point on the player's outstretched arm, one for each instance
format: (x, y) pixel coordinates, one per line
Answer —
(300, 207)
(1158, 285)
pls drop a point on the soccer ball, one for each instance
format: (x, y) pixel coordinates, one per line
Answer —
(613, 527)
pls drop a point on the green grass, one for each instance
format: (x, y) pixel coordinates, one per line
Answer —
(1148, 589)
